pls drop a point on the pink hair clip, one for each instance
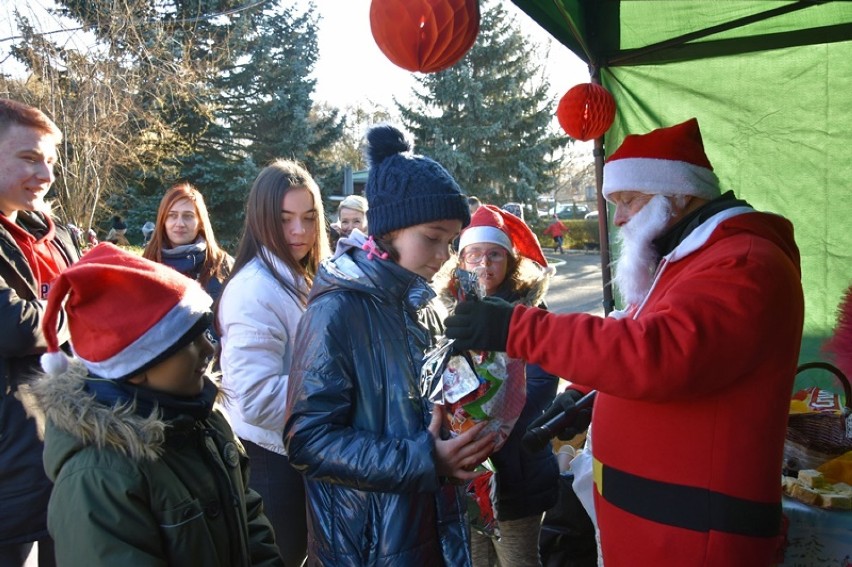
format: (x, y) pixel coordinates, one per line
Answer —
(373, 250)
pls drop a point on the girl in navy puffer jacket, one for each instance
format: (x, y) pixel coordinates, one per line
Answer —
(379, 475)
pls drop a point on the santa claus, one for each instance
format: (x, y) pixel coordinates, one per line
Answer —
(693, 375)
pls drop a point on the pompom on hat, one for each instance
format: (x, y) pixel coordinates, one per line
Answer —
(125, 313)
(666, 161)
(495, 226)
(405, 189)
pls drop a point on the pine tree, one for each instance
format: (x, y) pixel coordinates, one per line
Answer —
(269, 92)
(488, 119)
(265, 109)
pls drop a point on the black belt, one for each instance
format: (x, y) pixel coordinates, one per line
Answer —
(688, 507)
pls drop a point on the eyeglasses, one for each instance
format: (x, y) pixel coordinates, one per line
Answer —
(476, 256)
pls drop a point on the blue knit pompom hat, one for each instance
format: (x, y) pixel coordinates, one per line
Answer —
(405, 189)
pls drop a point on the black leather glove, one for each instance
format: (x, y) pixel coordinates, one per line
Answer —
(564, 404)
(480, 325)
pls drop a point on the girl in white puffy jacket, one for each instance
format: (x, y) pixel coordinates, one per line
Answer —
(283, 241)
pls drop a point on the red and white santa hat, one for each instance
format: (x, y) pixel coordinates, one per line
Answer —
(667, 161)
(495, 226)
(125, 313)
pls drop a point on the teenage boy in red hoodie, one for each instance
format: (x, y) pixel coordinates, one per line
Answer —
(33, 251)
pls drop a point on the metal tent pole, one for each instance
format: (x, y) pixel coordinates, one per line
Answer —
(603, 218)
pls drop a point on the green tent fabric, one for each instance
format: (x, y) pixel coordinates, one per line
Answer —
(771, 85)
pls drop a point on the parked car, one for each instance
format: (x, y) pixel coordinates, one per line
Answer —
(591, 216)
(572, 211)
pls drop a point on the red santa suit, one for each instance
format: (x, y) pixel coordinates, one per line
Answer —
(693, 388)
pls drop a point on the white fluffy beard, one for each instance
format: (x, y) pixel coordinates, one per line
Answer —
(634, 270)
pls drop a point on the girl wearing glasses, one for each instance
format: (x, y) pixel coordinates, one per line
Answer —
(511, 265)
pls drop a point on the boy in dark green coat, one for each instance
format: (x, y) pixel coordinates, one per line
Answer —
(146, 472)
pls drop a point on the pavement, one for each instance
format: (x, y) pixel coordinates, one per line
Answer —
(577, 286)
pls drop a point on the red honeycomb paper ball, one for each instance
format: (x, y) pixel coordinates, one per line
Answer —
(424, 35)
(586, 111)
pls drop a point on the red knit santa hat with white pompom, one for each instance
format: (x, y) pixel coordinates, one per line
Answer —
(495, 226)
(125, 313)
(666, 161)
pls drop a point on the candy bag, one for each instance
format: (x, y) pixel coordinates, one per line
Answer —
(474, 386)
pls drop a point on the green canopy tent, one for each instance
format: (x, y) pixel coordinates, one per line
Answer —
(771, 85)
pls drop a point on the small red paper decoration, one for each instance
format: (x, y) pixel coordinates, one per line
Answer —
(424, 35)
(586, 111)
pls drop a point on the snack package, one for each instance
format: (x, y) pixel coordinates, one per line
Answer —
(498, 396)
(815, 400)
(474, 386)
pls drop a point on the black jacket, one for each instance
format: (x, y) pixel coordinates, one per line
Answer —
(24, 489)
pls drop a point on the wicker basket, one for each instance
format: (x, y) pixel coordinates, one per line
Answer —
(814, 438)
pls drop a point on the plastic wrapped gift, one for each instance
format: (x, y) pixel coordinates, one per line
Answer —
(474, 386)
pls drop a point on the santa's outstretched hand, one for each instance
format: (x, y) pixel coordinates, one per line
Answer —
(480, 325)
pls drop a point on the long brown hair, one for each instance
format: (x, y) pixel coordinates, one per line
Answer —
(216, 259)
(263, 234)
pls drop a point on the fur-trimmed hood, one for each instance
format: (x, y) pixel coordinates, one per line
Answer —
(171, 482)
(80, 421)
(533, 283)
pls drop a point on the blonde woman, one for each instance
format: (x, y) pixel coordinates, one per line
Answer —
(351, 214)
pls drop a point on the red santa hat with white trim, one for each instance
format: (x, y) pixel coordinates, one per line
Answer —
(666, 161)
(495, 226)
(125, 313)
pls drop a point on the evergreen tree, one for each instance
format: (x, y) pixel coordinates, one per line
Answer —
(269, 92)
(489, 118)
(262, 110)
